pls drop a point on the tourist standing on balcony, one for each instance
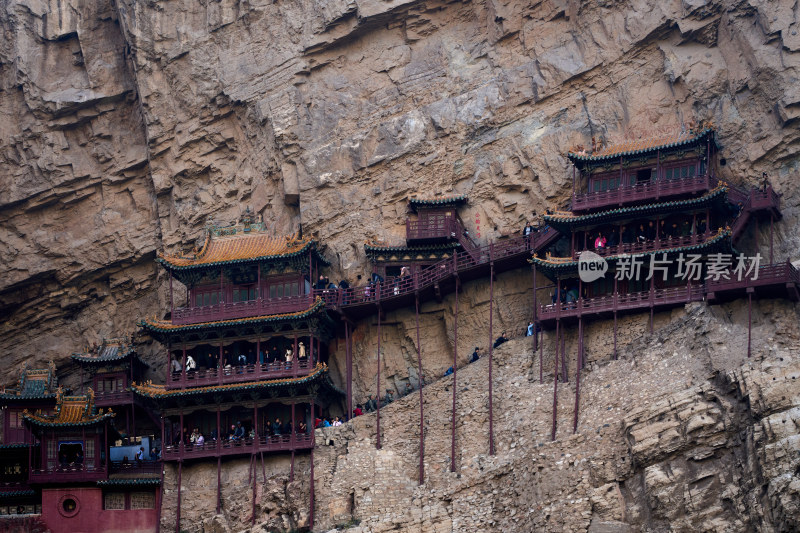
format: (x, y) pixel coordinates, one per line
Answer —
(627, 235)
(200, 440)
(302, 428)
(345, 286)
(651, 232)
(301, 351)
(322, 283)
(276, 427)
(176, 366)
(190, 364)
(613, 239)
(600, 241)
(238, 433)
(527, 231)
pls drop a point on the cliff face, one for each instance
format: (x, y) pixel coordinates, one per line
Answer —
(128, 126)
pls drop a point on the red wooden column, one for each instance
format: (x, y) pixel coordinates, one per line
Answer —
(311, 491)
(219, 461)
(349, 369)
(220, 364)
(578, 374)
(172, 300)
(749, 318)
(292, 440)
(535, 303)
(616, 294)
(178, 512)
(555, 382)
(455, 372)
(378, 382)
(421, 384)
(183, 366)
(491, 357)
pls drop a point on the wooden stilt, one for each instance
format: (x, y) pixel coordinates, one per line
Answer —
(378, 382)
(311, 494)
(541, 357)
(349, 367)
(178, 512)
(578, 375)
(219, 462)
(749, 321)
(253, 460)
(455, 372)
(564, 375)
(555, 383)
(491, 358)
(421, 384)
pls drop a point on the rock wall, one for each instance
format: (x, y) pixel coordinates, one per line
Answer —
(128, 126)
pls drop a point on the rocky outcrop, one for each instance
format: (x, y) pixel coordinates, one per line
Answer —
(128, 126)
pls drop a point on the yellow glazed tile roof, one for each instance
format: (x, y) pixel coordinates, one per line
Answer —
(240, 246)
(70, 411)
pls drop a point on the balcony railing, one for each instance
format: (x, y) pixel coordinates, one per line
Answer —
(103, 399)
(239, 374)
(622, 302)
(67, 474)
(764, 199)
(234, 310)
(433, 228)
(661, 243)
(650, 190)
(780, 275)
(461, 261)
(273, 443)
(134, 468)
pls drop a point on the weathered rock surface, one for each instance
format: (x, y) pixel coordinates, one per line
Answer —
(127, 126)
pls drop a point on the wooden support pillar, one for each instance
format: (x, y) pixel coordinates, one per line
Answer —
(178, 512)
(183, 366)
(615, 316)
(253, 461)
(555, 383)
(541, 358)
(535, 311)
(220, 364)
(455, 372)
(349, 369)
(771, 224)
(378, 384)
(421, 383)
(749, 320)
(491, 358)
(564, 375)
(219, 462)
(172, 300)
(578, 367)
(311, 491)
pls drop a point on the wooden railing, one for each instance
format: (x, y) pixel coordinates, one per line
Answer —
(622, 302)
(222, 447)
(103, 399)
(135, 467)
(660, 243)
(778, 274)
(459, 262)
(432, 228)
(228, 311)
(241, 373)
(650, 190)
(64, 474)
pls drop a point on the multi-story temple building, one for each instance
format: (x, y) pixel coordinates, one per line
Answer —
(70, 458)
(245, 357)
(670, 230)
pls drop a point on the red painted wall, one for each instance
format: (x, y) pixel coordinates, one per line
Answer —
(90, 516)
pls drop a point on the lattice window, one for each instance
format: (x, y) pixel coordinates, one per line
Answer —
(114, 501)
(88, 458)
(143, 500)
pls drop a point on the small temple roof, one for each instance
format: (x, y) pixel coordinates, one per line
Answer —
(370, 246)
(245, 242)
(150, 390)
(130, 482)
(438, 201)
(642, 146)
(565, 219)
(109, 351)
(70, 411)
(239, 247)
(34, 384)
(156, 325)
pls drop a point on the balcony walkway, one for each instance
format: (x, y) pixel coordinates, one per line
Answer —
(240, 374)
(781, 280)
(642, 192)
(222, 448)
